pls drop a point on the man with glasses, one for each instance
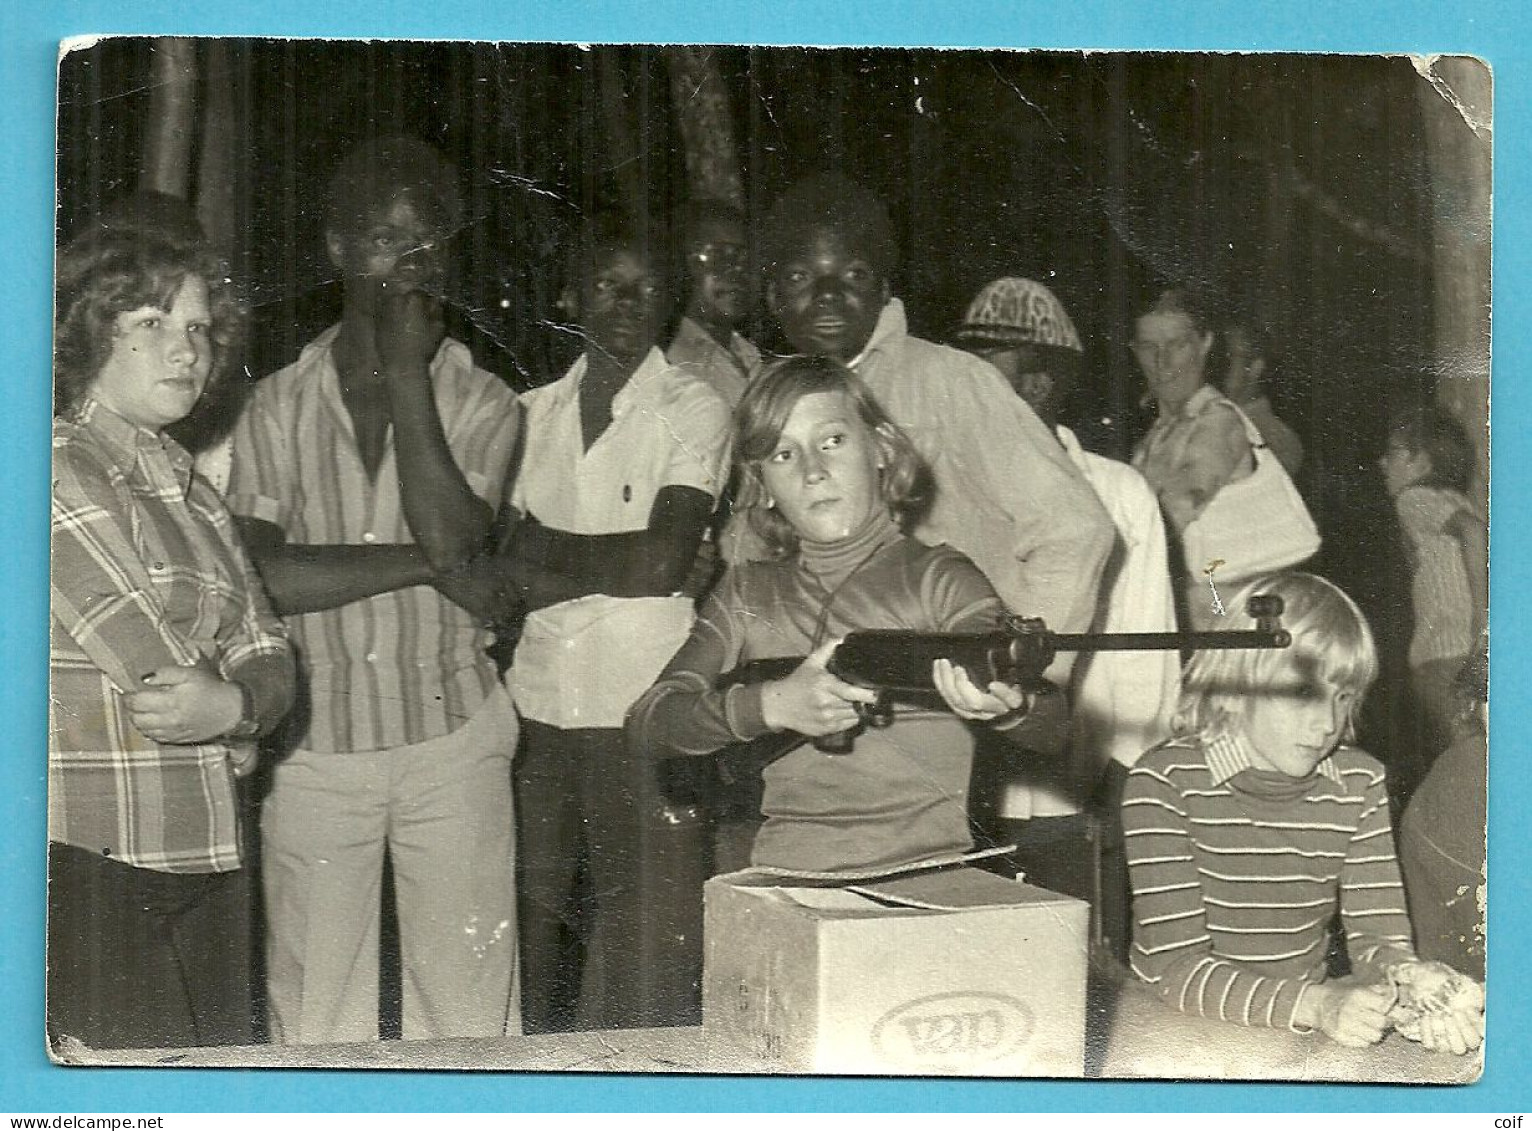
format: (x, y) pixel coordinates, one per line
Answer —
(719, 297)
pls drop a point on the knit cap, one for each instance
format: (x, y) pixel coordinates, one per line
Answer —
(1015, 312)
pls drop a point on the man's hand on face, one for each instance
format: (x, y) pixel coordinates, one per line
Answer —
(407, 330)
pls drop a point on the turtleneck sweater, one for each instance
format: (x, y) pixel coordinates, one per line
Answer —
(901, 795)
(830, 563)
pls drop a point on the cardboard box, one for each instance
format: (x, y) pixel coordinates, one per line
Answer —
(957, 972)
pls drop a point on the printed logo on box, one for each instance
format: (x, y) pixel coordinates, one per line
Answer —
(953, 1030)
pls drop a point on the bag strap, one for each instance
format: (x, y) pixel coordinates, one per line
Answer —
(1252, 433)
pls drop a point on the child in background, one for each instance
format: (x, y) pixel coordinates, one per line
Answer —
(1428, 465)
(1248, 830)
(825, 476)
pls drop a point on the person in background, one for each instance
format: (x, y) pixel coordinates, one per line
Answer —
(624, 459)
(1442, 835)
(1122, 701)
(1198, 443)
(1248, 355)
(719, 297)
(1258, 821)
(1005, 494)
(167, 663)
(365, 478)
(1427, 466)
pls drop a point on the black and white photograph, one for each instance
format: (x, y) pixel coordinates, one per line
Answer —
(769, 560)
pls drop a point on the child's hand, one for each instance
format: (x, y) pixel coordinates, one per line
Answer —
(1437, 1006)
(1349, 1014)
(1458, 1032)
(811, 701)
(967, 701)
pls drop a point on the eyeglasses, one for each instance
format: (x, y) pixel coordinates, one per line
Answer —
(721, 257)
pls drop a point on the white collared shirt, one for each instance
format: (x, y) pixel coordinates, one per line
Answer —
(582, 663)
(728, 370)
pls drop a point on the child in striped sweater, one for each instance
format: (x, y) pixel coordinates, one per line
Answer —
(1249, 829)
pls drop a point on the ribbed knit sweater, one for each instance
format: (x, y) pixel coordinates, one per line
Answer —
(901, 794)
(1237, 873)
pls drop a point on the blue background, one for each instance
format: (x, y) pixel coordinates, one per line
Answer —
(1501, 32)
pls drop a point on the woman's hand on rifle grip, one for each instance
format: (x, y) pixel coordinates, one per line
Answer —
(811, 701)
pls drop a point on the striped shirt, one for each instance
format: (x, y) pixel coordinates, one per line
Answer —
(1443, 601)
(1236, 875)
(401, 667)
(147, 573)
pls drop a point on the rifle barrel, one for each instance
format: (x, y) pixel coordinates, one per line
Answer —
(1168, 641)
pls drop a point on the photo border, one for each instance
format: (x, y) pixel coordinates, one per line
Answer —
(1496, 31)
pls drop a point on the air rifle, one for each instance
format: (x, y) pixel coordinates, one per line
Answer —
(896, 663)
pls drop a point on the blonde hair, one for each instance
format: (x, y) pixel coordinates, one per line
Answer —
(762, 414)
(1332, 646)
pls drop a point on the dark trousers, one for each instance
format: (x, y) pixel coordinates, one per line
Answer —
(144, 959)
(1080, 855)
(611, 860)
(1051, 852)
(1115, 913)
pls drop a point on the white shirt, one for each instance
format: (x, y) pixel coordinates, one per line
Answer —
(1005, 493)
(582, 663)
(728, 370)
(1123, 701)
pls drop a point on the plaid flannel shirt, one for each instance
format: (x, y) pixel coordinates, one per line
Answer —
(147, 572)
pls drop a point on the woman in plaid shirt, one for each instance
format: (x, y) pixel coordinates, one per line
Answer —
(167, 663)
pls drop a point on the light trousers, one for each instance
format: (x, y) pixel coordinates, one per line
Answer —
(443, 810)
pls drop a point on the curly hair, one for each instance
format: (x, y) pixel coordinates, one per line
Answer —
(1332, 648)
(109, 271)
(376, 171)
(833, 202)
(608, 231)
(762, 414)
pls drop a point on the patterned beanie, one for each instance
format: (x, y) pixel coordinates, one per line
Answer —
(1017, 312)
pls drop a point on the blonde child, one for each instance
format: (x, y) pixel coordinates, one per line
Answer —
(1248, 830)
(825, 479)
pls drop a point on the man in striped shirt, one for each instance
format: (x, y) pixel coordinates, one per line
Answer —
(1247, 832)
(366, 476)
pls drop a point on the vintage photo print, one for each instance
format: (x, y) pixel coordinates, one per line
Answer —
(769, 560)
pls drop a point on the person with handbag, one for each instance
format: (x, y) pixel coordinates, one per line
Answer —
(1232, 508)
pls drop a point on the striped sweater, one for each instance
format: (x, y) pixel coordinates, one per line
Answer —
(1234, 885)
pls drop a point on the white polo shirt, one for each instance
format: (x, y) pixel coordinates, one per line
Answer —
(582, 663)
